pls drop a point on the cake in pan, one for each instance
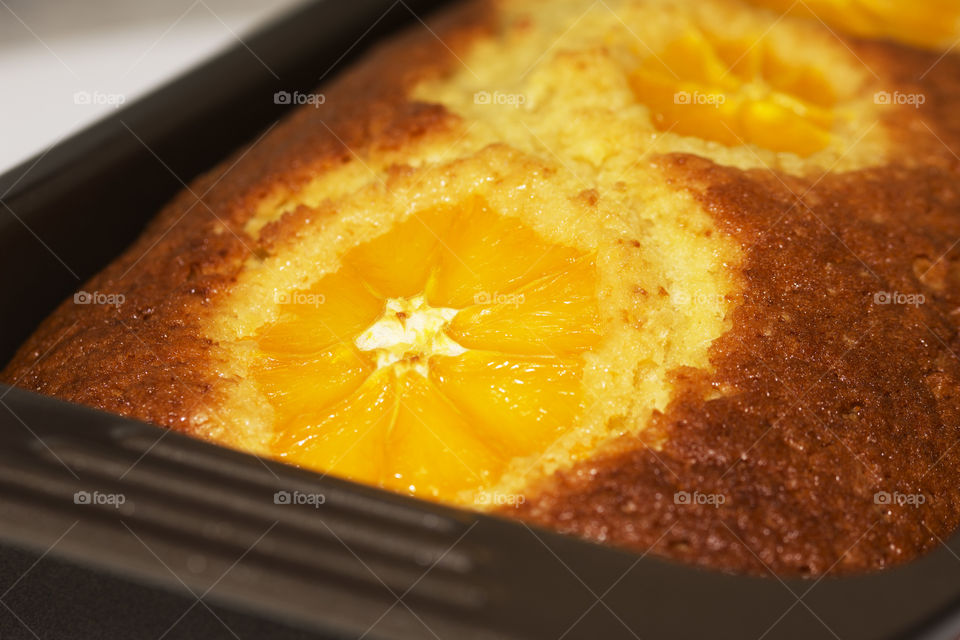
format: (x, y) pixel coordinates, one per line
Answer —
(675, 276)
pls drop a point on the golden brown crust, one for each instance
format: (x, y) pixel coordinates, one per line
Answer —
(820, 399)
(144, 359)
(830, 399)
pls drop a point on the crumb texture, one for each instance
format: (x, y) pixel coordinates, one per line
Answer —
(670, 275)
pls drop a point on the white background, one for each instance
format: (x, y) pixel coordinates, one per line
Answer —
(52, 49)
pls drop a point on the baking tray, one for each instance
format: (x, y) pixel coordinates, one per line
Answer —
(200, 547)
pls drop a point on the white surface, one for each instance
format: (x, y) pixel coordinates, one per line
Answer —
(62, 62)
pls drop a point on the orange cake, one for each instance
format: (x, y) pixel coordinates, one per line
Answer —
(680, 276)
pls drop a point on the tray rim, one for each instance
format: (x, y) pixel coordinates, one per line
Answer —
(30, 177)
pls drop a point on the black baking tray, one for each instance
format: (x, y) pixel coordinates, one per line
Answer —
(200, 549)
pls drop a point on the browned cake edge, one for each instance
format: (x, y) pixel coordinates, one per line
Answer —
(820, 400)
(145, 359)
(838, 405)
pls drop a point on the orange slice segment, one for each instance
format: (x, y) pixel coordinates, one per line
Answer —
(932, 24)
(347, 439)
(432, 450)
(555, 315)
(488, 255)
(303, 385)
(523, 404)
(397, 263)
(777, 127)
(332, 311)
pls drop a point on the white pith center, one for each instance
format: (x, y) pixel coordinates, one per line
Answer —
(409, 332)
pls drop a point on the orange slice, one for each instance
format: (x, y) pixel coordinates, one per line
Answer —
(736, 92)
(441, 351)
(933, 24)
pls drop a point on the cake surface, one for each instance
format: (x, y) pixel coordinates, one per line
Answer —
(675, 276)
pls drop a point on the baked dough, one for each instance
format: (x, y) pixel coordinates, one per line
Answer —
(770, 208)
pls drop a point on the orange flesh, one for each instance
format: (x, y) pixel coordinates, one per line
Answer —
(933, 23)
(441, 351)
(736, 92)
